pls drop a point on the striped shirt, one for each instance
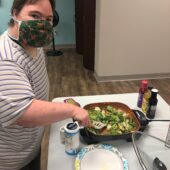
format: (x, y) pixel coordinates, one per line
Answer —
(22, 79)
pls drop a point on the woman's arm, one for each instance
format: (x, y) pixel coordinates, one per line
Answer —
(40, 113)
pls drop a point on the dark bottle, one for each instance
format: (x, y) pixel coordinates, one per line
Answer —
(142, 89)
(152, 104)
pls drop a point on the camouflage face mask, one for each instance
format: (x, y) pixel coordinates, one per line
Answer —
(35, 33)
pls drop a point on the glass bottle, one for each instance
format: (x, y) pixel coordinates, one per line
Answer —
(152, 104)
(142, 89)
(145, 101)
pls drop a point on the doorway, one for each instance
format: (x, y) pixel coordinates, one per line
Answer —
(85, 15)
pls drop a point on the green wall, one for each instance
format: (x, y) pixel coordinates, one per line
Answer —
(65, 30)
(4, 14)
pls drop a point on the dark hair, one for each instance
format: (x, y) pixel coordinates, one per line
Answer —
(19, 4)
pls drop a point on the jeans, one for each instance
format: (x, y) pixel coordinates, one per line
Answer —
(34, 164)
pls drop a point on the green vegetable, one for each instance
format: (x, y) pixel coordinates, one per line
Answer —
(117, 121)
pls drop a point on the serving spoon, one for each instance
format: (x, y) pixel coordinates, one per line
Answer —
(95, 124)
(98, 125)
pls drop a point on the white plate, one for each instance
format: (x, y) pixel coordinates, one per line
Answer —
(100, 157)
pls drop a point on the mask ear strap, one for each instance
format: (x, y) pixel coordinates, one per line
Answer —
(19, 23)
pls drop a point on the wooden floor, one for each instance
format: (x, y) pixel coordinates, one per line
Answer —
(68, 77)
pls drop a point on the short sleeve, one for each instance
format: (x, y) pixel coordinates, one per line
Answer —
(16, 93)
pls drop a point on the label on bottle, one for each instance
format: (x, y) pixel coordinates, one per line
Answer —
(140, 98)
(145, 104)
(151, 112)
(72, 144)
(72, 138)
(145, 101)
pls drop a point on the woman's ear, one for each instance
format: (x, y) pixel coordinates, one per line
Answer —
(14, 13)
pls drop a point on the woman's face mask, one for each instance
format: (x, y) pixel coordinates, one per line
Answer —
(34, 33)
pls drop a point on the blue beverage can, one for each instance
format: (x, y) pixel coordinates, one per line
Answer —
(72, 141)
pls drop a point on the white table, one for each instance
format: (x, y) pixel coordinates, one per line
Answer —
(59, 160)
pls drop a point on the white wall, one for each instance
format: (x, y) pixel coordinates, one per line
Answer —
(132, 37)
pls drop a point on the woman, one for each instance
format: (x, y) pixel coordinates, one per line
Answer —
(24, 108)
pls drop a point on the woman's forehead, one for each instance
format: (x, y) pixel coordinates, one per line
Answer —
(41, 6)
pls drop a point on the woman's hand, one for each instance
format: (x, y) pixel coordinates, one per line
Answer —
(81, 115)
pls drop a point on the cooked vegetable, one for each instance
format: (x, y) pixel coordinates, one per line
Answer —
(116, 120)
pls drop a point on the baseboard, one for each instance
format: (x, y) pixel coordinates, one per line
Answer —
(131, 77)
(62, 46)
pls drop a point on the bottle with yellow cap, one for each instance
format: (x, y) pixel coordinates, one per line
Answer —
(145, 101)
